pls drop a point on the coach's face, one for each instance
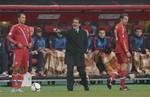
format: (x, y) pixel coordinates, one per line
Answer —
(75, 24)
(22, 19)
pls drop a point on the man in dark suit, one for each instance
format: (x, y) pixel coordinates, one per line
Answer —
(76, 46)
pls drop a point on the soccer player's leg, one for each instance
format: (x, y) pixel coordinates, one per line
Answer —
(122, 60)
(23, 69)
(25, 62)
(123, 74)
(16, 70)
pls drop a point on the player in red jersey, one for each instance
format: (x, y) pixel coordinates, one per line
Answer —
(20, 36)
(122, 50)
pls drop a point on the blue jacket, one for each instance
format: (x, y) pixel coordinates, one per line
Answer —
(38, 42)
(90, 43)
(58, 43)
(137, 43)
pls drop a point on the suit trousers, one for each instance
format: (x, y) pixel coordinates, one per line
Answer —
(75, 60)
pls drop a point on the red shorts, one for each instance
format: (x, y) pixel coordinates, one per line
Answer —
(21, 58)
(121, 57)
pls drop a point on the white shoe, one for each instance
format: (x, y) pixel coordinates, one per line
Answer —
(13, 90)
(4, 74)
(19, 90)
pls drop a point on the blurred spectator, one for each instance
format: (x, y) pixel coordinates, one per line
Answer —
(58, 42)
(38, 43)
(106, 28)
(137, 40)
(90, 39)
(147, 41)
(30, 51)
(90, 43)
(101, 43)
(87, 26)
(10, 47)
(94, 27)
(140, 54)
(3, 56)
(54, 65)
(49, 29)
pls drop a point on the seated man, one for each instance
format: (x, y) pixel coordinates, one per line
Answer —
(107, 60)
(91, 68)
(38, 43)
(137, 44)
(101, 42)
(54, 65)
(137, 40)
(3, 56)
(58, 42)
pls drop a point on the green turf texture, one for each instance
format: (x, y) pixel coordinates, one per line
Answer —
(95, 91)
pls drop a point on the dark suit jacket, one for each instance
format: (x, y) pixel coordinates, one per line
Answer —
(76, 44)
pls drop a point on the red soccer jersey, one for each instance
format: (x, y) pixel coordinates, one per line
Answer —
(21, 34)
(121, 38)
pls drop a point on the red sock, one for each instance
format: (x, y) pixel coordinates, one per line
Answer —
(122, 79)
(19, 80)
(14, 83)
(113, 77)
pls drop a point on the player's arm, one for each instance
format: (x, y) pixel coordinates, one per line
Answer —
(122, 39)
(58, 31)
(11, 37)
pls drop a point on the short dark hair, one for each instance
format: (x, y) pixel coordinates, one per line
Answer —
(123, 15)
(38, 30)
(77, 18)
(19, 14)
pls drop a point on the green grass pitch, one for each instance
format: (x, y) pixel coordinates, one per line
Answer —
(95, 91)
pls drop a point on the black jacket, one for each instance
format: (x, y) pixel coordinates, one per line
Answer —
(76, 42)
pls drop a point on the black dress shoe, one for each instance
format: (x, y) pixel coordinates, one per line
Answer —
(70, 90)
(86, 88)
(81, 83)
